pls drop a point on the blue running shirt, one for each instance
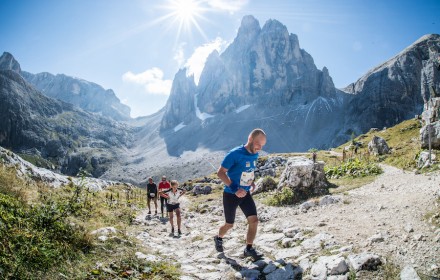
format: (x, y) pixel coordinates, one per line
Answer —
(241, 165)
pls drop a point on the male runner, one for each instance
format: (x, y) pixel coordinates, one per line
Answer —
(237, 173)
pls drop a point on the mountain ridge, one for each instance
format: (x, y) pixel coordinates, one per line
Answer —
(265, 69)
(84, 94)
(263, 79)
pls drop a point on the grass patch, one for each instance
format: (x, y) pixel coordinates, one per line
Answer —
(403, 139)
(199, 200)
(344, 184)
(45, 232)
(353, 168)
(390, 270)
(280, 198)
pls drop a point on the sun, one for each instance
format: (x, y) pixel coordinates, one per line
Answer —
(185, 14)
(186, 10)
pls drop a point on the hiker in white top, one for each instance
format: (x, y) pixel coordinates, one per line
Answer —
(173, 194)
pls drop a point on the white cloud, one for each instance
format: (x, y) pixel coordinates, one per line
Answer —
(179, 54)
(230, 6)
(151, 79)
(196, 62)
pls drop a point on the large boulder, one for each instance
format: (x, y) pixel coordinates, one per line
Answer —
(378, 146)
(305, 178)
(364, 261)
(433, 131)
(423, 160)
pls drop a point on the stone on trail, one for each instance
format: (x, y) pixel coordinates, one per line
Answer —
(409, 273)
(364, 261)
(304, 177)
(378, 146)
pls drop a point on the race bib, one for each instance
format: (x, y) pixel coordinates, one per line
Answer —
(247, 178)
(152, 194)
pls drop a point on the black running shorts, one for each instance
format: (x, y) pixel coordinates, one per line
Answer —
(231, 202)
(172, 207)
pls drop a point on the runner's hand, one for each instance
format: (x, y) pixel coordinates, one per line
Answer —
(240, 193)
(252, 187)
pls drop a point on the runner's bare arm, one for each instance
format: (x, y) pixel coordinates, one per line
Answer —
(221, 173)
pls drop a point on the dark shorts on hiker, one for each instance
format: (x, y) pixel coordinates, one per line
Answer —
(172, 207)
(151, 196)
(231, 202)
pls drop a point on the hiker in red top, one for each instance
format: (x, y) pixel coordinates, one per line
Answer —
(163, 186)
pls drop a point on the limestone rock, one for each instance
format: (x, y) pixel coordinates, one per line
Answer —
(423, 159)
(431, 128)
(287, 272)
(201, 190)
(104, 231)
(364, 261)
(378, 146)
(409, 273)
(305, 178)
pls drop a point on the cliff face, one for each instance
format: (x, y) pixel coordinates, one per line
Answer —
(397, 89)
(180, 105)
(86, 95)
(263, 67)
(66, 137)
(264, 79)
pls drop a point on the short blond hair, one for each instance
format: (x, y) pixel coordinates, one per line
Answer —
(174, 183)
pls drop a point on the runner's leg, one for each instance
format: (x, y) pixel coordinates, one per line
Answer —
(249, 209)
(252, 229)
(162, 201)
(179, 220)
(155, 203)
(171, 220)
(230, 204)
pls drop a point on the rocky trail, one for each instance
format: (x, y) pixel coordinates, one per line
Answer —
(381, 222)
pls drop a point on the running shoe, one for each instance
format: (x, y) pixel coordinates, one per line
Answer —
(252, 253)
(218, 244)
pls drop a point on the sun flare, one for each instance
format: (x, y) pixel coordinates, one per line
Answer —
(185, 14)
(186, 10)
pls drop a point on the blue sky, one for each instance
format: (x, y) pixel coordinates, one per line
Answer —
(135, 47)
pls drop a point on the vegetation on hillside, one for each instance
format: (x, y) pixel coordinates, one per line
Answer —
(46, 232)
(403, 139)
(354, 167)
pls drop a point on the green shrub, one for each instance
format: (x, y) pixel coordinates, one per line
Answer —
(134, 268)
(35, 238)
(352, 168)
(268, 184)
(44, 232)
(280, 198)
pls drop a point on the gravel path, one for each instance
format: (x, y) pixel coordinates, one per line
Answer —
(392, 207)
(385, 217)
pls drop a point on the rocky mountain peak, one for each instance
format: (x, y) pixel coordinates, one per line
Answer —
(180, 105)
(248, 31)
(249, 24)
(273, 25)
(8, 62)
(84, 94)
